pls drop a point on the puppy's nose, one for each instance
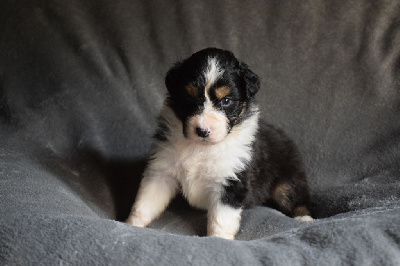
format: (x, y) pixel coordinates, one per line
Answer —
(202, 132)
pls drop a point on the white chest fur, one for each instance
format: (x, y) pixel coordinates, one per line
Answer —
(201, 168)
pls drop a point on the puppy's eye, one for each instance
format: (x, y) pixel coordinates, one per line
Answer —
(225, 102)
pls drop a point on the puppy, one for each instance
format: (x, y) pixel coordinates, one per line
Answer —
(211, 146)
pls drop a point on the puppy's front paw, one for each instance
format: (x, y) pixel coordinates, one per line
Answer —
(135, 221)
(223, 235)
(305, 218)
(223, 221)
(226, 229)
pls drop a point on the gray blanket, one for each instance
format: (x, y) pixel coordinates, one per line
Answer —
(81, 84)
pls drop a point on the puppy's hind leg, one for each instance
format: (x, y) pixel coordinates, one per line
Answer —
(292, 201)
(302, 213)
(154, 195)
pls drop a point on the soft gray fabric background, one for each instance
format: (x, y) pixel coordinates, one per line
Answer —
(81, 83)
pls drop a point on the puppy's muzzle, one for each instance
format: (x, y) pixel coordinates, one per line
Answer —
(203, 132)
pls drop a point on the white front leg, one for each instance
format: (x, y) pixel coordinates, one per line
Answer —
(154, 195)
(223, 220)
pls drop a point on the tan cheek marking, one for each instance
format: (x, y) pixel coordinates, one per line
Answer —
(222, 92)
(192, 91)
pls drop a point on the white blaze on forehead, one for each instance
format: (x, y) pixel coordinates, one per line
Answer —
(211, 119)
(212, 73)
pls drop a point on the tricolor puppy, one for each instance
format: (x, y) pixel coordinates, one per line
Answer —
(211, 145)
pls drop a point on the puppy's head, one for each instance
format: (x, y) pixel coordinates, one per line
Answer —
(210, 92)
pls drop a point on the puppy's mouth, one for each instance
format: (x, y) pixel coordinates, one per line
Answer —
(207, 141)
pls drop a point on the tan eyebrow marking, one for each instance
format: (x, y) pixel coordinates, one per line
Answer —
(222, 92)
(192, 90)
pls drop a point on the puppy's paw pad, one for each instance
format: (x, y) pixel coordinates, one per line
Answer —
(135, 221)
(305, 218)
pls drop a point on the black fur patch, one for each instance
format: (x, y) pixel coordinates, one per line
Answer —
(275, 176)
(234, 194)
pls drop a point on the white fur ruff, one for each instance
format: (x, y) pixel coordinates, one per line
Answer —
(202, 168)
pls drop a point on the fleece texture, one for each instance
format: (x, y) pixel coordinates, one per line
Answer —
(81, 85)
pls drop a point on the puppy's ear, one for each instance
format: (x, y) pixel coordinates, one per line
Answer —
(251, 80)
(172, 77)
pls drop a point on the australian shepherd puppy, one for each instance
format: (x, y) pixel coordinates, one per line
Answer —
(211, 146)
